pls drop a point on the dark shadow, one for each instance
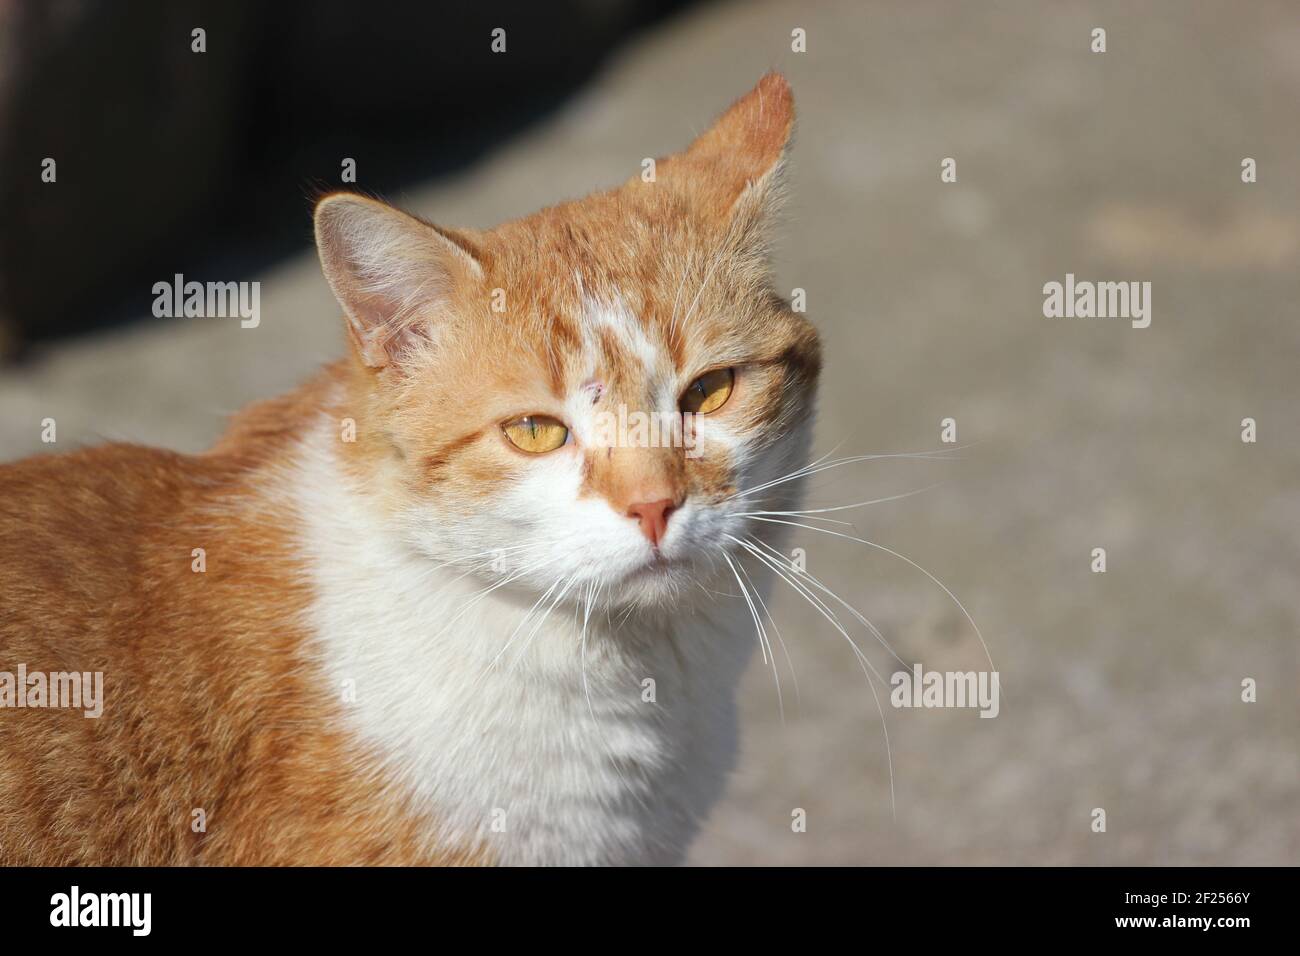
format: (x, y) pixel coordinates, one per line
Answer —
(174, 161)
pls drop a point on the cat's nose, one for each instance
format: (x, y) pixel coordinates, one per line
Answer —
(653, 516)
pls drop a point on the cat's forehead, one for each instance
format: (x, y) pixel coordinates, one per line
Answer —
(619, 349)
(607, 253)
(617, 324)
(613, 296)
(611, 343)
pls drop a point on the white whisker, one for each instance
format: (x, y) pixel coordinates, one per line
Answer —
(789, 566)
(762, 637)
(536, 628)
(807, 512)
(901, 557)
(821, 465)
(758, 596)
(480, 595)
(513, 634)
(868, 669)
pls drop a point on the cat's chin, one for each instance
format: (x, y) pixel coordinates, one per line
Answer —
(662, 582)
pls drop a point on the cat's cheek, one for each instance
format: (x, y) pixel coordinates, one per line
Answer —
(711, 475)
(543, 485)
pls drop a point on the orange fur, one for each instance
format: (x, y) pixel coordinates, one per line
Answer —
(212, 698)
(208, 698)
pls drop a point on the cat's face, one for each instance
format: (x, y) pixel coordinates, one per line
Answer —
(574, 401)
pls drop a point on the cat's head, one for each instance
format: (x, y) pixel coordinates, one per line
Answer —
(516, 388)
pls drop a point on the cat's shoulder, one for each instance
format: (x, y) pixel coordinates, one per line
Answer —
(72, 486)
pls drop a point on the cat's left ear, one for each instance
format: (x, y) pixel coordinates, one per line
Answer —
(734, 169)
(391, 272)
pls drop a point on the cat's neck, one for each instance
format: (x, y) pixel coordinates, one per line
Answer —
(531, 729)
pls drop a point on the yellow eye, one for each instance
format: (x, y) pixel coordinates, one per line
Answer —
(536, 434)
(709, 392)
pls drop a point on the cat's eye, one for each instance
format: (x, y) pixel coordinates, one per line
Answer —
(536, 434)
(709, 392)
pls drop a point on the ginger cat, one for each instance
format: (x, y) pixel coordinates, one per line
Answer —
(438, 616)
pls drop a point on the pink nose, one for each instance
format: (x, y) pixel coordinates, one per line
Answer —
(653, 516)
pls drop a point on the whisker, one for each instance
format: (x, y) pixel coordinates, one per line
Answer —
(537, 628)
(480, 595)
(868, 669)
(758, 596)
(514, 634)
(789, 566)
(860, 504)
(821, 465)
(762, 638)
(795, 514)
(901, 557)
(817, 603)
(429, 571)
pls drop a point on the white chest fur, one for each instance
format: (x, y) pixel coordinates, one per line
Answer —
(547, 746)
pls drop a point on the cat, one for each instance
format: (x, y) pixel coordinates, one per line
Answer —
(413, 612)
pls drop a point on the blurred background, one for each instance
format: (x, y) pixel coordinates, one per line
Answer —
(1121, 690)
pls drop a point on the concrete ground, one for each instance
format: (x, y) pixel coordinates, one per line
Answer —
(1121, 690)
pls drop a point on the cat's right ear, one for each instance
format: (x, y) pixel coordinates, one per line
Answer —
(390, 271)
